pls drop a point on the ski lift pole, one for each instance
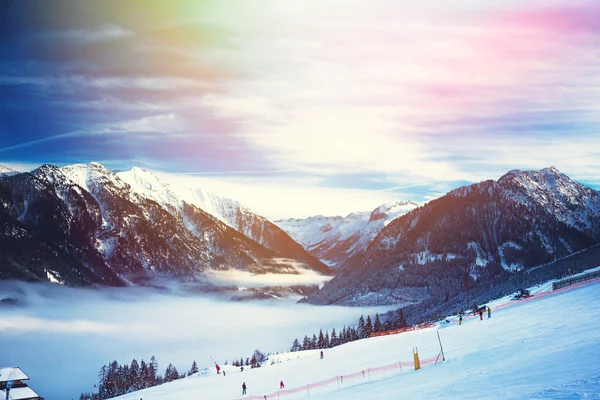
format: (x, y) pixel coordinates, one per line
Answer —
(441, 348)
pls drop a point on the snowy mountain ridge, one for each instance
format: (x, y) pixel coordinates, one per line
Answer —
(89, 226)
(147, 185)
(7, 171)
(336, 239)
(482, 232)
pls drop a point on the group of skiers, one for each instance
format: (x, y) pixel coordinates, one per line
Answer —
(476, 311)
(245, 387)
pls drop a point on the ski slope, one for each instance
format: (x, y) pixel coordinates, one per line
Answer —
(536, 349)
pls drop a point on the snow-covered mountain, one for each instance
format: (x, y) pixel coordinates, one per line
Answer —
(146, 184)
(7, 171)
(82, 224)
(336, 239)
(471, 237)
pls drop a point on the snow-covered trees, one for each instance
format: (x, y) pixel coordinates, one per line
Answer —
(193, 369)
(377, 327)
(296, 346)
(115, 380)
(347, 334)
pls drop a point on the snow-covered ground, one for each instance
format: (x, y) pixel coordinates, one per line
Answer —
(542, 348)
(61, 336)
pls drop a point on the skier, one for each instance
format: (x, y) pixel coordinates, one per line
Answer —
(481, 314)
(460, 319)
(281, 385)
(218, 368)
(244, 388)
(224, 374)
(321, 354)
(489, 312)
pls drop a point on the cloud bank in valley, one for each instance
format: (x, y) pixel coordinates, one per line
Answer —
(59, 330)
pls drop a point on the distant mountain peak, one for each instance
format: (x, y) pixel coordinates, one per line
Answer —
(5, 171)
(336, 239)
(396, 207)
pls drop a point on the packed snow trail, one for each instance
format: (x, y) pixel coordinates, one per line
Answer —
(539, 349)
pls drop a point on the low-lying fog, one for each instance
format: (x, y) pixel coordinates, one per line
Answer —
(62, 336)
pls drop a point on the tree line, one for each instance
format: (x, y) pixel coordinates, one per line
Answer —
(257, 360)
(362, 330)
(115, 379)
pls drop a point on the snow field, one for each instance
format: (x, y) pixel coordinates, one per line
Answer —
(547, 348)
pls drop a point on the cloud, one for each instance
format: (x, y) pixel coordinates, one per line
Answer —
(44, 325)
(301, 276)
(90, 35)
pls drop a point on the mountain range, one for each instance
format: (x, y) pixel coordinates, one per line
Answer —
(85, 225)
(474, 236)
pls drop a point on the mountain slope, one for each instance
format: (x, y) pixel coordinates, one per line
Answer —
(230, 212)
(471, 236)
(335, 239)
(523, 348)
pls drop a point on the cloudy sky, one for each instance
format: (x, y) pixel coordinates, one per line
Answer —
(305, 107)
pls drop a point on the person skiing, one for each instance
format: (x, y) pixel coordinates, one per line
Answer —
(321, 354)
(489, 312)
(281, 385)
(224, 374)
(460, 319)
(481, 314)
(244, 388)
(218, 368)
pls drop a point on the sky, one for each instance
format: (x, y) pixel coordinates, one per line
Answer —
(315, 107)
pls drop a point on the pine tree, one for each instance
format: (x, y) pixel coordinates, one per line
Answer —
(242, 361)
(344, 335)
(171, 373)
(152, 371)
(401, 319)
(377, 324)
(125, 384)
(259, 358)
(321, 340)
(102, 382)
(143, 375)
(388, 325)
(112, 380)
(314, 343)
(194, 368)
(362, 332)
(134, 381)
(326, 342)
(334, 339)
(306, 345)
(247, 361)
(369, 326)
(296, 346)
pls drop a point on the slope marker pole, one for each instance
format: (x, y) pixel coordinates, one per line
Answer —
(442, 348)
